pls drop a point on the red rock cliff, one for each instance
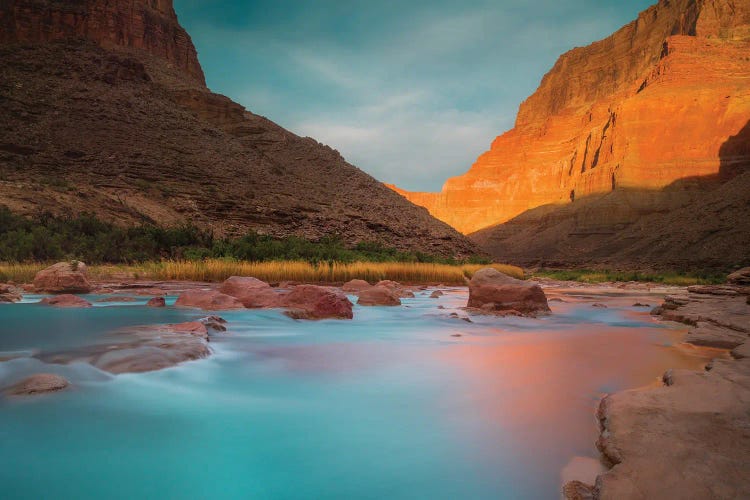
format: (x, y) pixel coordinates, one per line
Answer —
(142, 24)
(650, 105)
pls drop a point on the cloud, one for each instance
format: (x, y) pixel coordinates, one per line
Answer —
(411, 92)
(411, 145)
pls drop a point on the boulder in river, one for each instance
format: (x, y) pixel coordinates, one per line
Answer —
(252, 292)
(157, 302)
(495, 292)
(65, 300)
(208, 300)
(63, 277)
(378, 296)
(317, 302)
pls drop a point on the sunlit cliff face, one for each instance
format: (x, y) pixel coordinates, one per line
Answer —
(643, 108)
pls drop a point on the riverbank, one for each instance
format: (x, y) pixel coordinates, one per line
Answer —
(215, 270)
(689, 438)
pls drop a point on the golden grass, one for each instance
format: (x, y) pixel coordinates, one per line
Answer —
(275, 271)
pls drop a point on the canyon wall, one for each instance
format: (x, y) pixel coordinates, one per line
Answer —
(104, 110)
(142, 24)
(648, 106)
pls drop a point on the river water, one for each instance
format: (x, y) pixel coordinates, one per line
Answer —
(403, 402)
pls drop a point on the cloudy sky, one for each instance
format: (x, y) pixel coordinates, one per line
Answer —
(410, 91)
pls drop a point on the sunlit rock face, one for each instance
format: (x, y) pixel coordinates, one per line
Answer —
(648, 106)
(142, 24)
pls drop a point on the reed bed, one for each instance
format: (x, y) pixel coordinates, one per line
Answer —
(336, 272)
(274, 271)
(19, 273)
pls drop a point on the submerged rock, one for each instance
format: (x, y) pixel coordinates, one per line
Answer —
(156, 302)
(355, 286)
(494, 292)
(378, 296)
(251, 292)
(141, 349)
(317, 302)
(65, 300)
(209, 300)
(40, 383)
(63, 277)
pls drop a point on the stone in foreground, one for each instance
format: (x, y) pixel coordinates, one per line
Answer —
(378, 296)
(65, 300)
(40, 383)
(687, 440)
(208, 300)
(494, 292)
(63, 277)
(317, 302)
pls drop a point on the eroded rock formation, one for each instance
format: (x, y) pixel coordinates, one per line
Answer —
(149, 25)
(664, 99)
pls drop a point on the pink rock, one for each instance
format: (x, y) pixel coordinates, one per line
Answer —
(492, 291)
(65, 300)
(378, 296)
(192, 327)
(156, 302)
(209, 300)
(356, 286)
(252, 292)
(397, 288)
(63, 277)
(317, 302)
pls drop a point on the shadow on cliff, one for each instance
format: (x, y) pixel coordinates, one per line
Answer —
(694, 223)
(735, 154)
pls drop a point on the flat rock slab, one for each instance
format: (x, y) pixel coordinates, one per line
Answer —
(142, 349)
(65, 300)
(687, 440)
(40, 383)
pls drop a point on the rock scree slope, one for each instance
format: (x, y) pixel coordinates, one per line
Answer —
(649, 122)
(104, 109)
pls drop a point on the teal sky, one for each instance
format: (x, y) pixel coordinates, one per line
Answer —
(409, 91)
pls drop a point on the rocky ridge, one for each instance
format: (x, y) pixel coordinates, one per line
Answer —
(655, 108)
(103, 109)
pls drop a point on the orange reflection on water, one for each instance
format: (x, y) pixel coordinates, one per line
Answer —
(535, 393)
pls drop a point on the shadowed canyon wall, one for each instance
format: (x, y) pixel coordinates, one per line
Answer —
(104, 109)
(142, 24)
(642, 109)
